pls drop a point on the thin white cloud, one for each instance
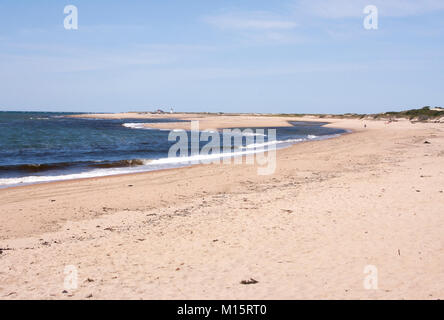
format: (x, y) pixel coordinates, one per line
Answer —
(77, 60)
(272, 37)
(179, 48)
(107, 28)
(256, 27)
(336, 9)
(251, 21)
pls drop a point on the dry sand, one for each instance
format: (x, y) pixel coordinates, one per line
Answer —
(374, 197)
(206, 122)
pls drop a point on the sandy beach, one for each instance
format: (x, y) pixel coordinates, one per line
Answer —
(372, 197)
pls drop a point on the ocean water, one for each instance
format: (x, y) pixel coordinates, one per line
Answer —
(37, 147)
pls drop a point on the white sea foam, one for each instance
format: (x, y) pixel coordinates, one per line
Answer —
(275, 142)
(202, 157)
(8, 182)
(289, 141)
(158, 164)
(41, 178)
(136, 126)
(252, 134)
(143, 127)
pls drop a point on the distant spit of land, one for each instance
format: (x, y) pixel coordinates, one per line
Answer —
(425, 114)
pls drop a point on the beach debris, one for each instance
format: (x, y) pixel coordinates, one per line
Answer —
(399, 252)
(64, 291)
(109, 229)
(251, 281)
(4, 249)
(426, 142)
(287, 210)
(89, 280)
(215, 240)
(130, 185)
(177, 269)
(89, 296)
(418, 190)
(52, 200)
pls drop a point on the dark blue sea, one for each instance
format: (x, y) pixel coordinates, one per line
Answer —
(38, 147)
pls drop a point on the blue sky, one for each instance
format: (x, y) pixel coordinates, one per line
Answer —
(298, 56)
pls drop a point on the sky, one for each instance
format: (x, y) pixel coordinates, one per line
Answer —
(295, 56)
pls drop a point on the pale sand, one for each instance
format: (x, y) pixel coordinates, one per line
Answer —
(374, 197)
(206, 122)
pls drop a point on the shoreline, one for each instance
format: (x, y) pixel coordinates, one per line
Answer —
(306, 232)
(152, 171)
(183, 126)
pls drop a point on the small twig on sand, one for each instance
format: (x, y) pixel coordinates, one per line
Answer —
(251, 281)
